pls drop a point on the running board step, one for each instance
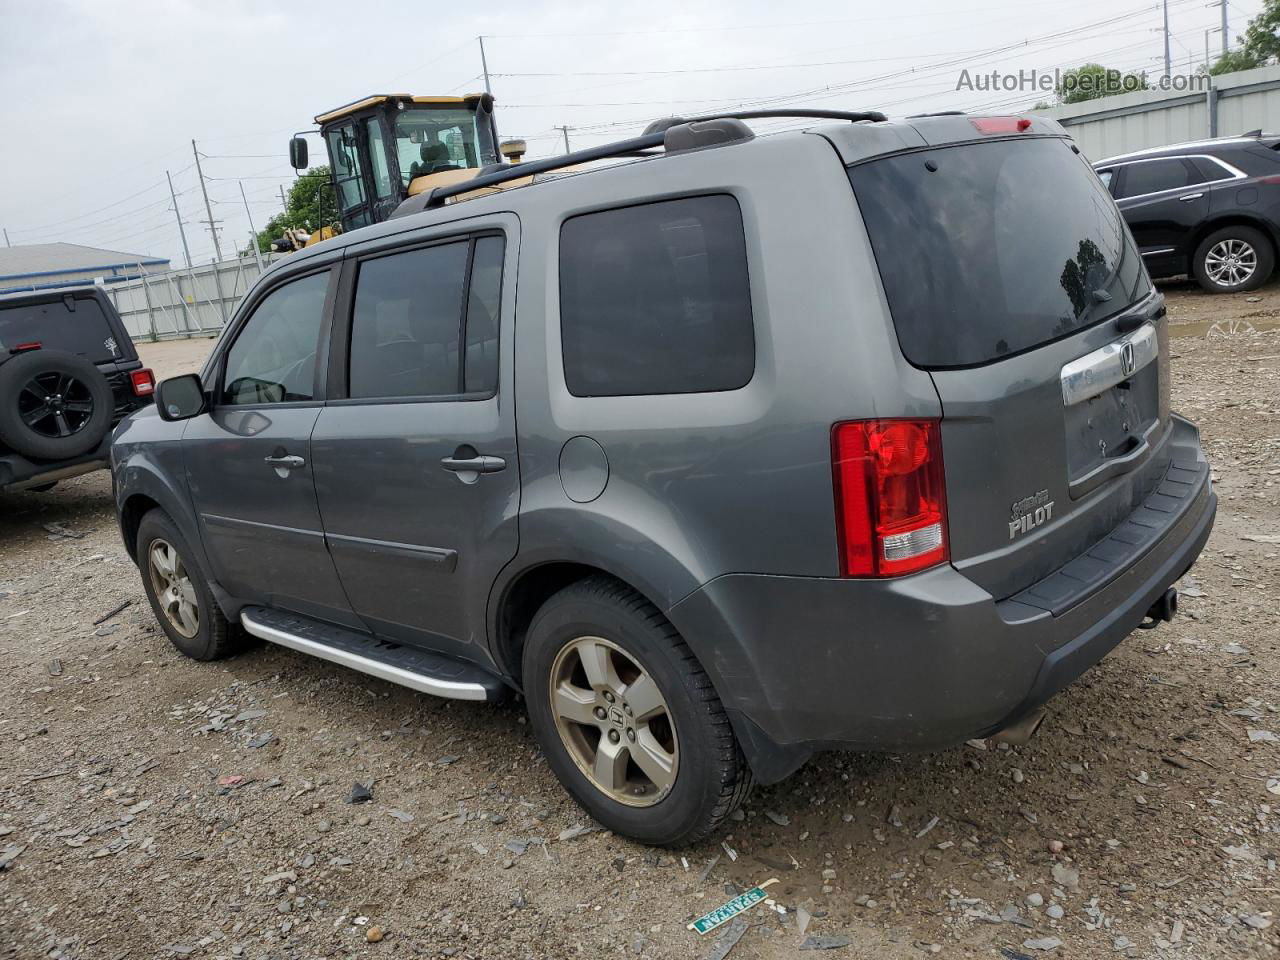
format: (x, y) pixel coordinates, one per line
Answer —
(410, 667)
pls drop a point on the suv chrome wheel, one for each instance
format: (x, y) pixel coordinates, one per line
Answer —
(1230, 262)
(173, 588)
(614, 721)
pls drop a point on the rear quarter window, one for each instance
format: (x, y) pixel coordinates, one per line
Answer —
(655, 299)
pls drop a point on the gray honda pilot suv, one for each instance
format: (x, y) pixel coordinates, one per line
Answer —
(735, 449)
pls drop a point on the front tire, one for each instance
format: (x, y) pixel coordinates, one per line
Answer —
(1235, 259)
(179, 592)
(627, 717)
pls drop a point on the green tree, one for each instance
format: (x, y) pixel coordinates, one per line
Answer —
(1259, 46)
(1090, 81)
(311, 205)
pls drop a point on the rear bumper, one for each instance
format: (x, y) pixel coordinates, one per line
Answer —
(926, 661)
(19, 473)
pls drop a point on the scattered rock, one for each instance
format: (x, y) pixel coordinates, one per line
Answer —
(1066, 876)
(825, 943)
(359, 793)
(778, 818)
(1054, 911)
(1043, 943)
(374, 934)
(1035, 900)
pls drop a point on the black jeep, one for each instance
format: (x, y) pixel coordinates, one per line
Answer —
(68, 374)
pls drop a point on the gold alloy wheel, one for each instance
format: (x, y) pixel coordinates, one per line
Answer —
(614, 721)
(173, 587)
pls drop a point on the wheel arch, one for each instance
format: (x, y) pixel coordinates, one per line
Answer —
(1214, 224)
(524, 589)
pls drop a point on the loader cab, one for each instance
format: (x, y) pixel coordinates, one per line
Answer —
(380, 145)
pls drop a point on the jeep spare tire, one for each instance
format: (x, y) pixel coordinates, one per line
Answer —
(53, 405)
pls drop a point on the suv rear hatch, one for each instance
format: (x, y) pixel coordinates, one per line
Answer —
(1013, 280)
(75, 323)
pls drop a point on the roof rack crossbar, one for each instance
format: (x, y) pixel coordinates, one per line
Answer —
(619, 148)
(531, 168)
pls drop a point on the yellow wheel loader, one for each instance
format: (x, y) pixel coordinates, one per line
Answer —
(386, 148)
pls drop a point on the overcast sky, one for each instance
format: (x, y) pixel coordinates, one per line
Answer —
(101, 98)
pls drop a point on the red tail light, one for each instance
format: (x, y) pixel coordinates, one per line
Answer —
(23, 347)
(891, 504)
(144, 382)
(1001, 124)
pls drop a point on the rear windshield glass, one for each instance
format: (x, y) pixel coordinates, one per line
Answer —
(83, 330)
(990, 249)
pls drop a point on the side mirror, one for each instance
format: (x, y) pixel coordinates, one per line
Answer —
(298, 153)
(180, 398)
(513, 150)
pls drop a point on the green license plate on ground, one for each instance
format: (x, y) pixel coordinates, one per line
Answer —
(723, 914)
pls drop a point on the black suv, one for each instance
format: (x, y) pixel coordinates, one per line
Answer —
(68, 374)
(1210, 209)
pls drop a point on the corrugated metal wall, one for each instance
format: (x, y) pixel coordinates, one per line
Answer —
(183, 303)
(1247, 100)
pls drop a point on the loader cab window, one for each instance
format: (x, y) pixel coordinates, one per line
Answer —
(431, 140)
(348, 172)
(378, 159)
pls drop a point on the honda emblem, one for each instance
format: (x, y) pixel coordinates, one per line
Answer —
(1128, 359)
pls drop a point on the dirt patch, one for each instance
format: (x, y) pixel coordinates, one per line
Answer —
(151, 806)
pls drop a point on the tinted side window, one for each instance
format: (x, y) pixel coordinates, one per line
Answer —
(273, 359)
(655, 299)
(1152, 176)
(409, 319)
(1209, 170)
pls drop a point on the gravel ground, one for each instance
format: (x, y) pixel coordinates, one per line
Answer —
(151, 806)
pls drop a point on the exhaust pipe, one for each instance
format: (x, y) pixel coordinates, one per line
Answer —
(1166, 608)
(1020, 732)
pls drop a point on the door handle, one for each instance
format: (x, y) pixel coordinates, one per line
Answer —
(1190, 196)
(288, 463)
(474, 464)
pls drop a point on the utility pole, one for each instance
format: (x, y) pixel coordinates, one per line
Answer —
(208, 208)
(6, 238)
(484, 64)
(257, 254)
(285, 203)
(186, 251)
(1223, 5)
(1167, 70)
(565, 131)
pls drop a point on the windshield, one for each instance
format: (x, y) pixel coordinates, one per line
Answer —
(990, 249)
(431, 139)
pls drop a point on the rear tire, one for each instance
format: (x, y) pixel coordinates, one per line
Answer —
(1235, 259)
(174, 583)
(659, 705)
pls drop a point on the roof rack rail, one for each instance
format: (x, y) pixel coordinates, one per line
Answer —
(655, 135)
(853, 116)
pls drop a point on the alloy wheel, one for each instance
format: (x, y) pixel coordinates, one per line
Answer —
(1231, 262)
(614, 721)
(55, 405)
(173, 588)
